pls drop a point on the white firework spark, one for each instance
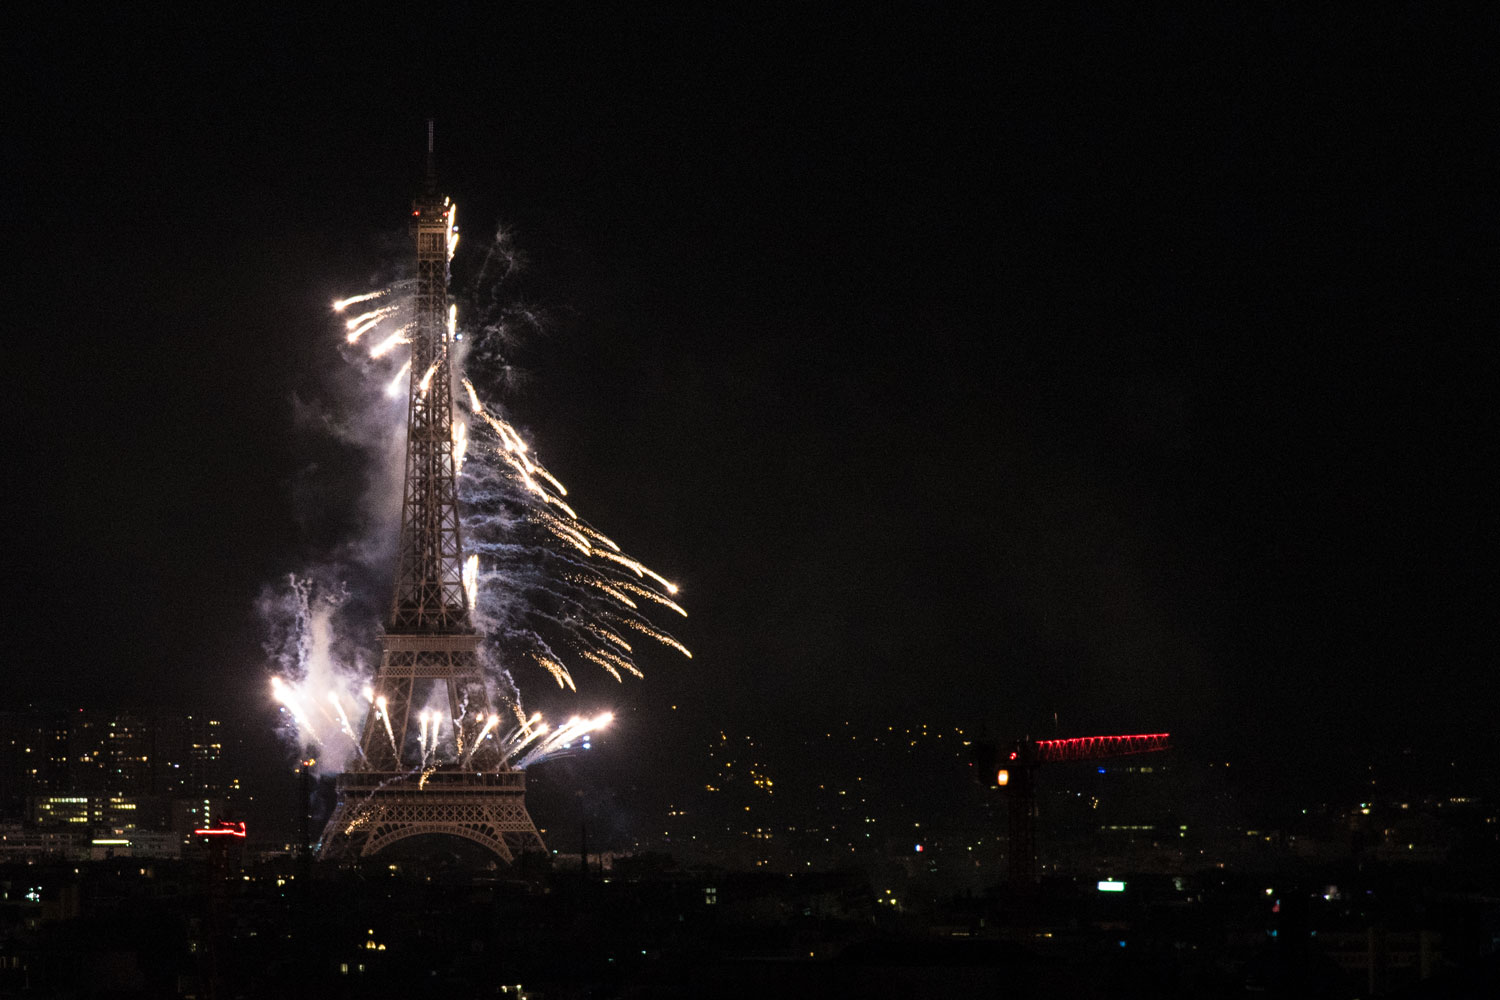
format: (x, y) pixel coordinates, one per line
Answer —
(390, 343)
(471, 579)
(394, 389)
(342, 304)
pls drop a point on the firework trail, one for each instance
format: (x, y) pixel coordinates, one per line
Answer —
(489, 726)
(427, 377)
(460, 446)
(575, 729)
(365, 322)
(343, 304)
(385, 717)
(426, 721)
(292, 699)
(394, 388)
(338, 707)
(390, 343)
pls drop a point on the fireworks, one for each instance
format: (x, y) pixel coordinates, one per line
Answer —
(471, 579)
(528, 742)
(385, 717)
(292, 699)
(365, 322)
(576, 729)
(343, 304)
(391, 342)
(427, 378)
(394, 389)
(427, 734)
(546, 590)
(557, 670)
(484, 731)
(338, 707)
(596, 585)
(460, 445)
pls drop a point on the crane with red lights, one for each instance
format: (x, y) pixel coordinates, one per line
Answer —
(1014, 769)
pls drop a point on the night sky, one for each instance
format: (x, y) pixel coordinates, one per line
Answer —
(963, 367)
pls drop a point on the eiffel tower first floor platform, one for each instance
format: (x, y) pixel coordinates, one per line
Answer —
(376, 809)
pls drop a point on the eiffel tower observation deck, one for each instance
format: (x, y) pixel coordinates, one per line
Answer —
(401, 784)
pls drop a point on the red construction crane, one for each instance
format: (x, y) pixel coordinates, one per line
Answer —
(1014, 769)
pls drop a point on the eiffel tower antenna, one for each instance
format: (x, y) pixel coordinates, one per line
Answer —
(431, 162)
(429, 649)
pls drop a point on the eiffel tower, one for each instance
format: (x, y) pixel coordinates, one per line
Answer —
(394, 790)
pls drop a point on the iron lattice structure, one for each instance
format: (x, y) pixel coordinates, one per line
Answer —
(429, 647)
(1093, 747)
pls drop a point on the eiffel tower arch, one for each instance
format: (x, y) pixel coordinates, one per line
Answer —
(429, 649)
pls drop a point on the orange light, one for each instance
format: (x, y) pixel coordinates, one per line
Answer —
(1003, 778)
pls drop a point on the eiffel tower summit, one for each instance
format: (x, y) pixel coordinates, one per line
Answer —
(429, 648)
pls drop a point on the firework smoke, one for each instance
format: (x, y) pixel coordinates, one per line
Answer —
(316, 673)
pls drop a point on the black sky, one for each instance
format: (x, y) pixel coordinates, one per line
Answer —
(965, 364)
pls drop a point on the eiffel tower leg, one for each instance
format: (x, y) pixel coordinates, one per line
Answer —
(376, 811)
(342, 838)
